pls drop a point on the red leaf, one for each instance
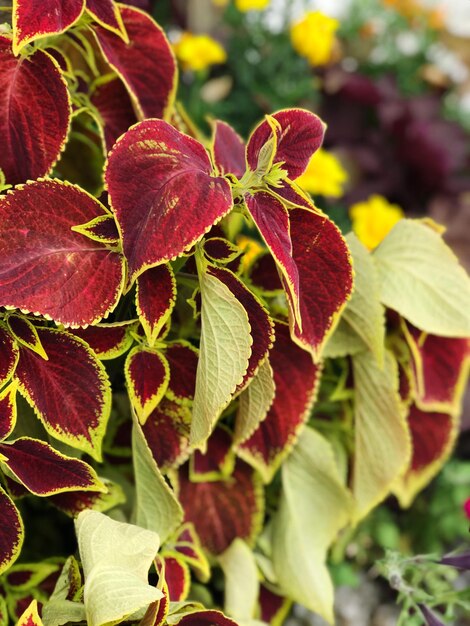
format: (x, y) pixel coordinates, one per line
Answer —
(47, 268)
(147, 374)
(206, 618)
(273, 607)
(258, 317)
(296, 378)
(44, 471)
(106, 13)
(146, 64)
(73, 502)
(25, 333)
(177, 578)
(115, 107)
(8, 355)
(430, 435)
(228, 150)
(299, 135)
(11, 532)
(217, 462)
(107, 341)
(7, 410)
(182, 358)
(102, 229)
(325, 276)
(34, 113)
(186, 545)
(167, 433)
(236, 507)
(33, 19)
(70, 391)
(155, 299)
(221, 250)
(272, 221)
(264, 274)
(440, 367)
(163, 194)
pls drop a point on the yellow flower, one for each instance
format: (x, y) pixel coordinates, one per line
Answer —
(198, 52)
(373, 219)
(324, 175)
(251, 5)
(314, 37)
(251, 249)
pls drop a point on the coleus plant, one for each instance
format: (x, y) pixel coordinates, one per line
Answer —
(238, 410)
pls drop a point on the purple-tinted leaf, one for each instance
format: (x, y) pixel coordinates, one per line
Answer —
(228, 150)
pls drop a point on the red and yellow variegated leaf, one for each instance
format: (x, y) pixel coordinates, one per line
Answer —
(45, 267)
(107, 341)
(236, 505)
(217, 462)
(25, 333)
(34, 113)
(433, 436)
(44, 471)
(147, 374)
(7, 410)
(182, 358)
(102, 229)
(33, 19)
(206, 618)
(155, 299)
(325, 277)
(70, 391)
(220, 250)
(73, 502)
(186, 545)
(146, 64)
(163, 193)
(31, 616)
(11, 532)
(228, 149)
(167, 434)
(272, 220)
(107, 14)
(157, 612)
(299, 135)
(440, 368)
(28, 576)
(296, 378)
(261, 324)
(273, 607)
(8, 355)
(177, 578)
(114, 105)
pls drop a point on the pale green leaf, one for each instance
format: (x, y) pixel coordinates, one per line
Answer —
(254, 403)
(343, 342)
(224, 353)
(314, 506)
(116, 558)
(156, 506)
(60, 611)
(241, 581)
(421, 278)
(382, 441)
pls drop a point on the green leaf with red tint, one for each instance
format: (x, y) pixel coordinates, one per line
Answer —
(155, 299)
(296, 378)
(273, 607)
(325, 277)
(261, 324)
(44, 471)
(114, 105)
(221, 250)
(146, 64)
(206, 618)
(33, 19)
(228, 149)
(272, 221)
(299, 134)
(147, 374)
(167, 434)
(236, 505)
(73, 502)
(8, 355)
(107, 14)
(70, 392)
(47, 268)
(102, 229)
(11, 532)
(163, 193)
(217, 462)
(25, 333)
(433, 436)
(182, 358)
(34, 113)
(107, 341)
(31, 616)
(177, 578)
(440, 369)
(8, 412)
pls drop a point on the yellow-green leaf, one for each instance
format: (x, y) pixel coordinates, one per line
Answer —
(241, 581)
(254, 403)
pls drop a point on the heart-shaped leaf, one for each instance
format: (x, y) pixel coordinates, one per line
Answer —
(107, 341)
(155, 299)
(167, 434)
(147, 374)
